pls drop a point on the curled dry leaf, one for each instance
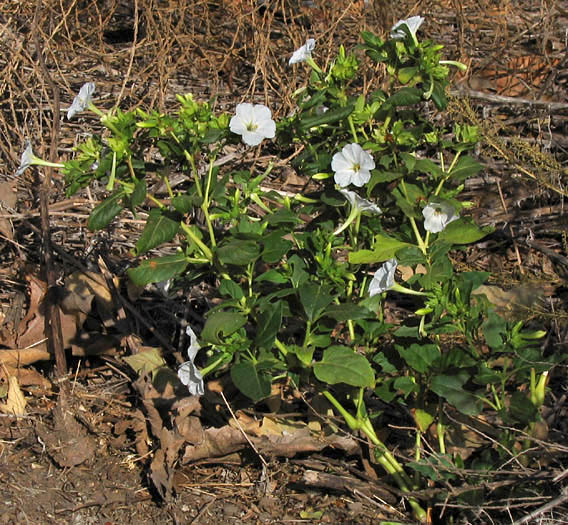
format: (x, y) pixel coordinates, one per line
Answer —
(7, 202)
(16, 402)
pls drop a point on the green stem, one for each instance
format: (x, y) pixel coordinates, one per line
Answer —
(281, 347)
(351, 217)
(166, 180)
(205, 204)
(40, 162)
(211, 367)
(419, 239)
(382, 454)
(352, 128)
(156, 201)
(440, 430)
(315, 67)
(110, 184)
(203, 247)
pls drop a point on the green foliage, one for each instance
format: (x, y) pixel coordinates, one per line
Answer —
(293, 273)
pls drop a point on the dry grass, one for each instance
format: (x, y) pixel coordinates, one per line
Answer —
(141, 53)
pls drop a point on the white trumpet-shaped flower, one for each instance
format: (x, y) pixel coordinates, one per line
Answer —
(253, 122)
(188, 373)
(358, 206)
(28, 159)
(359, 202)
(383, 279)
(413, 23)
(352, 165)
(303, 53)
(437, 215)
(82, 101)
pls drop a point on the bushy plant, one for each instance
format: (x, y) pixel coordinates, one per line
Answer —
(303, 280)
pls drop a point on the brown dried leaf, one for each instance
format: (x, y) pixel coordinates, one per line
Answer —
(17, 358)
(7, 200)
(16, 402)
(80, 290)
(67, 442)
(26, 376)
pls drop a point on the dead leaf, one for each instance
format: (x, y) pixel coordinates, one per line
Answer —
(67, 442)
(16, 402)
(145, 362)
(512, 303)
(8, 200)
(17, 358)
(26, 376)
(217, 442)
(31, 329)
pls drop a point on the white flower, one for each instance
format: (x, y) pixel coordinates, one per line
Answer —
(303, 53)
(188, 373)
(383, 279)
(413, 23)
(352, 165)
(82, 100)
(437, 215)
(28, 158)
(254, 122)
(163, 286)
(359, 202)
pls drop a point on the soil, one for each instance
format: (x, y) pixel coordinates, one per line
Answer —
(94, 445)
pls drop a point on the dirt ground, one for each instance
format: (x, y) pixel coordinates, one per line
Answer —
(96, 445)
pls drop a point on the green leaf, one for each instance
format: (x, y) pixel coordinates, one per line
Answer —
(341, 364)
(406, 74)
(380, 176)
(522, 409)
(185, 203)
(423, 419)
(329, 117)
(273, 276)
(407, 385)
(275, 247)
(315, 298)
(384, 392)
(386, 366)
(451, 388)
(348, 311)
(299, 275)
(427, 166)
(438, 468)
(464, 231)
(304, 354)
(407, 96)
(268, 325)
(440, 271)
(106, 211)
(250, 381)
(145, 362)
(160, 227)
(410, 256)
(419, 357)
(221, 324)
(408, 205)
(282, 216)
(456, 357)
(231, 289)
(239, 252)
(158, 269)
(494, 329)
(486, 376)
(465, 167)
(385, 248)
(139, 194)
